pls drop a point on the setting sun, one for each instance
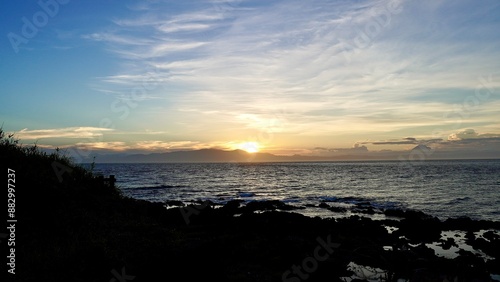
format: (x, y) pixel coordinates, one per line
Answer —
(250, 147)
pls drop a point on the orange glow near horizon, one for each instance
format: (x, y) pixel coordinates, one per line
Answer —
(250, 147)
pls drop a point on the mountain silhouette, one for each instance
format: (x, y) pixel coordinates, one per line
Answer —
(203, 155)
(422, 147)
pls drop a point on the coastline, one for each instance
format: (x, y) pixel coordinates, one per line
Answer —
(99, 235)
(442, 189)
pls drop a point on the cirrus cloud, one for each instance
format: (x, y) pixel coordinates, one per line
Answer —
(69, 132)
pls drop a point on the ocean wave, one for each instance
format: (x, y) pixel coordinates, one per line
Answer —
(385, 185)
(459, 200)
(347, 200)
(158, 187)
(360, 201)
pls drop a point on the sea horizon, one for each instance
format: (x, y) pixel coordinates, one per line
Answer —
(313, 161)
(217, 155)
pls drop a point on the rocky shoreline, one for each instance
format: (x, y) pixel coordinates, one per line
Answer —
(99, 237)
(402, 246)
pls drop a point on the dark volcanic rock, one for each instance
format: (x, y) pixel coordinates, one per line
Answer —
(461, 223)
(468, 224)
(199, 242)
(407, 214)
(368, 210)
(394, 213)
(232, 207)
(267, 206)
(337, 209)
(419, 227)
(471, 267)
(174, 203)
(491, 247)
(447, 244)
(491, 236)
(493, 265)
(323, 205)
(413, 215)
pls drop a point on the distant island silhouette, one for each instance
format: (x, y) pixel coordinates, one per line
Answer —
(418, 153)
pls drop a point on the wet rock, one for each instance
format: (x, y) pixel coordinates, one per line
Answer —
(260, 206)
(491, 236)
(394, 213)
(369, 210)
(447, 244)
(364, 204)
(234, 203)
(174, 204)
(425, 274)
(285, 239)
(468, 224)
(364, 207)
(204, 202)
(408, 214)
(267, 206)
(285, 207)
(423, 251)
(323, 205)
(493, 265)
(461, 223)
(470, 237)
(471, 267)
(413, 215)
(231, 207)
(337, 209)
(420, 229)
(491, 248)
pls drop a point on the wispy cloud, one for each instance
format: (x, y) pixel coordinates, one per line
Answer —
(143, 147)
(171, 28)
(335, 67)
(69, 132)
(99, 146)
(465, 139)
(471, 134)
(112, 38)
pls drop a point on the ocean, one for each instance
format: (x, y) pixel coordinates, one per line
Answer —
(443, 189)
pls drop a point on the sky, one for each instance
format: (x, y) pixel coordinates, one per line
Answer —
(285, 77)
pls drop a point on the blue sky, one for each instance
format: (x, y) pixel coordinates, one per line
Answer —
(290, 76)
